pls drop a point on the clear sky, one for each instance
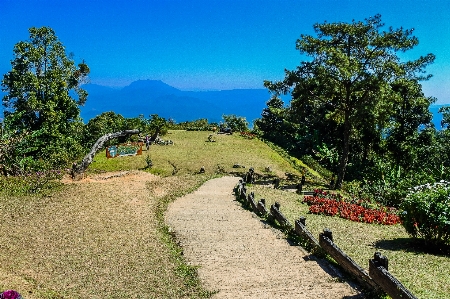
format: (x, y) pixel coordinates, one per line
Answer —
(213, 44)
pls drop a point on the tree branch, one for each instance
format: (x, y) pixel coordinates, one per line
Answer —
(77, 170)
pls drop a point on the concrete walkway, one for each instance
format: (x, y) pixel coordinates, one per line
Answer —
(239, 256)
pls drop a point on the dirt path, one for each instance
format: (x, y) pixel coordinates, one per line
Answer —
(239, 256)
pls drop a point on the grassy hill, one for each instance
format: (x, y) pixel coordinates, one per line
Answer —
(105, 237)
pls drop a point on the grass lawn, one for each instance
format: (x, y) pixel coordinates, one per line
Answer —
(426, 275)
(192, 150)
(108, 239)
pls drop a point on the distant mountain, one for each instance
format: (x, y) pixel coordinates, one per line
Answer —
(156, 97)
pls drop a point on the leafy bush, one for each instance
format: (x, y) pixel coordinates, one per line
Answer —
(236, 123)
(31, 182)
(427, 212)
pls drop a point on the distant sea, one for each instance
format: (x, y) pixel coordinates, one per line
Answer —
(252, 109)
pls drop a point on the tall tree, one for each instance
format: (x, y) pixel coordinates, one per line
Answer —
(349, 74)
(39, 97)
(275, 125)
(411, 110)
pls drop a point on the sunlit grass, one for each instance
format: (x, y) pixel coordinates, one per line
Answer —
(192, 150)
(104, 240)
(426, 275)
(107, 240)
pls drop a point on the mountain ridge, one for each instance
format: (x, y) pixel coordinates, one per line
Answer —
(156, 97)
(148, 97)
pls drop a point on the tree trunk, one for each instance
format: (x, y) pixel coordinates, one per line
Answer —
(344, 156)
(79, 169)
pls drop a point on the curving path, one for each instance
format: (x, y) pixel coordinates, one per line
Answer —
(239, 256)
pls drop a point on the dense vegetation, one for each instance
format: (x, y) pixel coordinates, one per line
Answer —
(360, 111)
(357, 114)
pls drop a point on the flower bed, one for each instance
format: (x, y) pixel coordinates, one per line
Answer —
(248, 135)
(358, 210)
(10, 294)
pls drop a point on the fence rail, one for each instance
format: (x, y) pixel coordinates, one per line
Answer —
(378, 279)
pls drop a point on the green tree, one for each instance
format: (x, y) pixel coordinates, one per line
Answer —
(348, 79)
(277, 126)
(410, 111)
(235, 123)
(39, 99)
(107, 122)
(157, 125)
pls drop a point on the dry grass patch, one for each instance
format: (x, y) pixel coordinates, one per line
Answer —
(94, 239)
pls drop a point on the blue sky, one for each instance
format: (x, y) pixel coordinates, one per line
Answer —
(212, 44)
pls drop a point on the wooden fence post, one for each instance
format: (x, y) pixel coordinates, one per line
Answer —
(251, 201)
(261, 206)
(326, 242)
(301, 230)
(378, 270)
(282, 220)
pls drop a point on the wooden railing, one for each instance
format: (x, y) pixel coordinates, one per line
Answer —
(378, 279)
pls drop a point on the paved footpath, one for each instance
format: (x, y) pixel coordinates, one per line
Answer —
(239, 256)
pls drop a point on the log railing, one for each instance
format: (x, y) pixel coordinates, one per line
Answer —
(378, 279)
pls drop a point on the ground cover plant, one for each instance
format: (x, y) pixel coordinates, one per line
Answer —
(424, 272)
(105, 237)
(359, 210)
(427, 213)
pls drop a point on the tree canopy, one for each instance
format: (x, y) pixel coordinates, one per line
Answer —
(39, 96)
(354, 85)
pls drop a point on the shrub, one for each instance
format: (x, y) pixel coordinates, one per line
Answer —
(426, 212)
(354, 209)
(31, 182)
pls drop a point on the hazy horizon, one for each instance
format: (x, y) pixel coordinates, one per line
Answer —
(213, 45)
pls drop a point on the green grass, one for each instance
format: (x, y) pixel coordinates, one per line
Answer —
(105, 240)
(425, 274)
(89, 240)
(193, 151)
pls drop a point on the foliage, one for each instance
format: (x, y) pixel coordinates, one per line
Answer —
(275, 125)
(11, 154)
(20, 174)
(353, 92)
(358, 210)
(195, 125)
(10, 294)
(427, 212)
(157, 125)
(327, 156)
(107, 122)
(149, 162)
(31, 182)
(39, 99)
(235, 123)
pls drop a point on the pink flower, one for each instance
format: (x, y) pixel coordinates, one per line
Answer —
(10, 294)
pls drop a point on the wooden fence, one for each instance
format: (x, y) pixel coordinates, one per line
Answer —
(377, 280)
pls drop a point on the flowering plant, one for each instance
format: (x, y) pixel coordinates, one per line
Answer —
(248, 135)
(329, 204)
(10, 294)
(427, 212)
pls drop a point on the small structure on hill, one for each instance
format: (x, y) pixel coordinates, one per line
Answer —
(79, 169)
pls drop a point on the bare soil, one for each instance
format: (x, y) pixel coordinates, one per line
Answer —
(239, 256)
